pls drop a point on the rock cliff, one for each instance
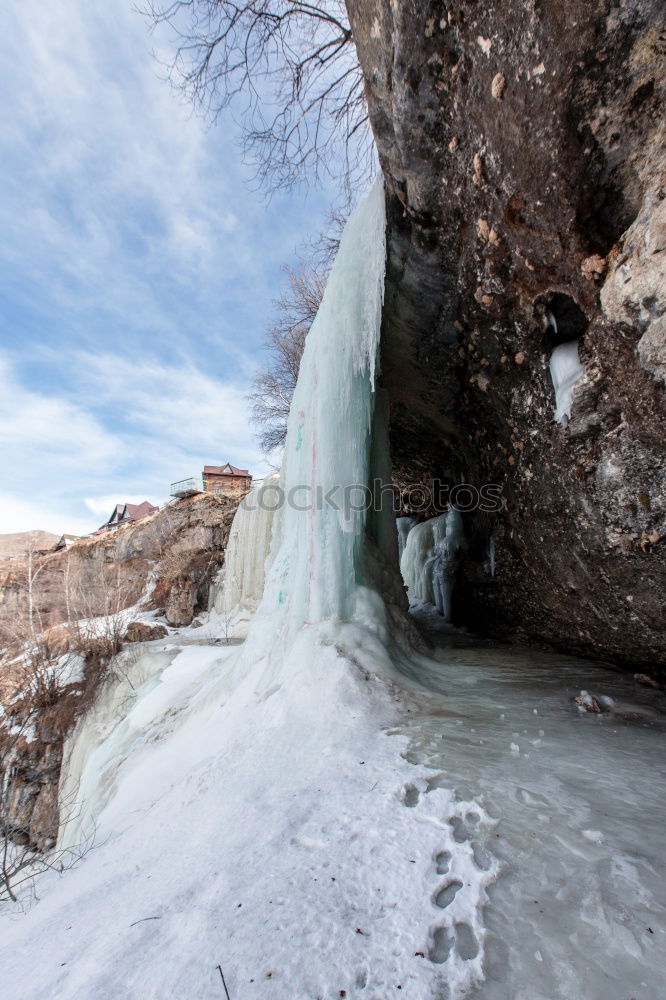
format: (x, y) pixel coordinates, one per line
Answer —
(179, 550)
(523, 152)
(169, 559)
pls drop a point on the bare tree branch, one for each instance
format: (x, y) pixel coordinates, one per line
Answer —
(288, 70)
(275, 381)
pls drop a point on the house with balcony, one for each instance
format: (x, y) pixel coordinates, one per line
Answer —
(222, 480)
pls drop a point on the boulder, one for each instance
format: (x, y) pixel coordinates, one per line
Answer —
(142, 632)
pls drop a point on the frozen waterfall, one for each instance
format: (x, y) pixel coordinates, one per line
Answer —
(316, 560)
(240, 584)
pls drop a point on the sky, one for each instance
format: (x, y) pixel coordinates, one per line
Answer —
(138, 264)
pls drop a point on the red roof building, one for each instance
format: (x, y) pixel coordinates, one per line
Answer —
(226, 479)
(125, 513)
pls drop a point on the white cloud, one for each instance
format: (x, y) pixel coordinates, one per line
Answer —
(26, 514)
(44, 437)
(180, 407)
(137, 426)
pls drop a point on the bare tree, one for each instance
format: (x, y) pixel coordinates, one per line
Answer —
(275, 381)
(34, 699)
(288, 70)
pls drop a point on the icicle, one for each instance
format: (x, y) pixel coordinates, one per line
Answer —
(404, 526)
(565, 371)
(241, 582)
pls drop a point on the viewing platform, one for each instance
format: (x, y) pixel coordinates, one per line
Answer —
(187, 487)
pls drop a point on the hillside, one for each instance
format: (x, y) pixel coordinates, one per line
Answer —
(182, 547)
(17, 542)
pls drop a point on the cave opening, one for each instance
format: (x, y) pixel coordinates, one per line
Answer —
(564, 320)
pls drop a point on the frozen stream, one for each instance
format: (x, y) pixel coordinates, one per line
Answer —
(579, 909)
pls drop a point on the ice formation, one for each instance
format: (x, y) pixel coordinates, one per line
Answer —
(316, 560)
(565, 371)
(404, 526)
(240, 585)
(308, 834)
(200, 764)
(430, 558)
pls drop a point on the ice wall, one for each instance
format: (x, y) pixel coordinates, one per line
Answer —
(316, 556)
(565, 370)
(430, 558)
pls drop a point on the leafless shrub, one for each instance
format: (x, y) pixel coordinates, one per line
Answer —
(37, 707)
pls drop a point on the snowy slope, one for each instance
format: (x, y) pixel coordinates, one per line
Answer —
(265, 829)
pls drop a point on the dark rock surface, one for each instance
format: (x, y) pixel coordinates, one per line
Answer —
(523, 152)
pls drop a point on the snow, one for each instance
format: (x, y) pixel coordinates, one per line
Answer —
(565, 372)
(321, 832)
(579, 840)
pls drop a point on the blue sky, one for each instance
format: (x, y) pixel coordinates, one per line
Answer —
(137, 269)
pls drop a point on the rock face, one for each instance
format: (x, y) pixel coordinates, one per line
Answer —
(523, 152)
(180, 548)
(31, 800)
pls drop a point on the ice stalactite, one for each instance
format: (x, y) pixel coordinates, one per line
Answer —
(404, 526)
(491, 555)
(430, 558)
(565, 371)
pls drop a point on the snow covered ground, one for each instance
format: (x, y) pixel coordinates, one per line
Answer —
(579, 908)
(272, 830)
(343, 830)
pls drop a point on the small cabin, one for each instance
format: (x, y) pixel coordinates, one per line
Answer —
(64, 542)
(222, 480)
